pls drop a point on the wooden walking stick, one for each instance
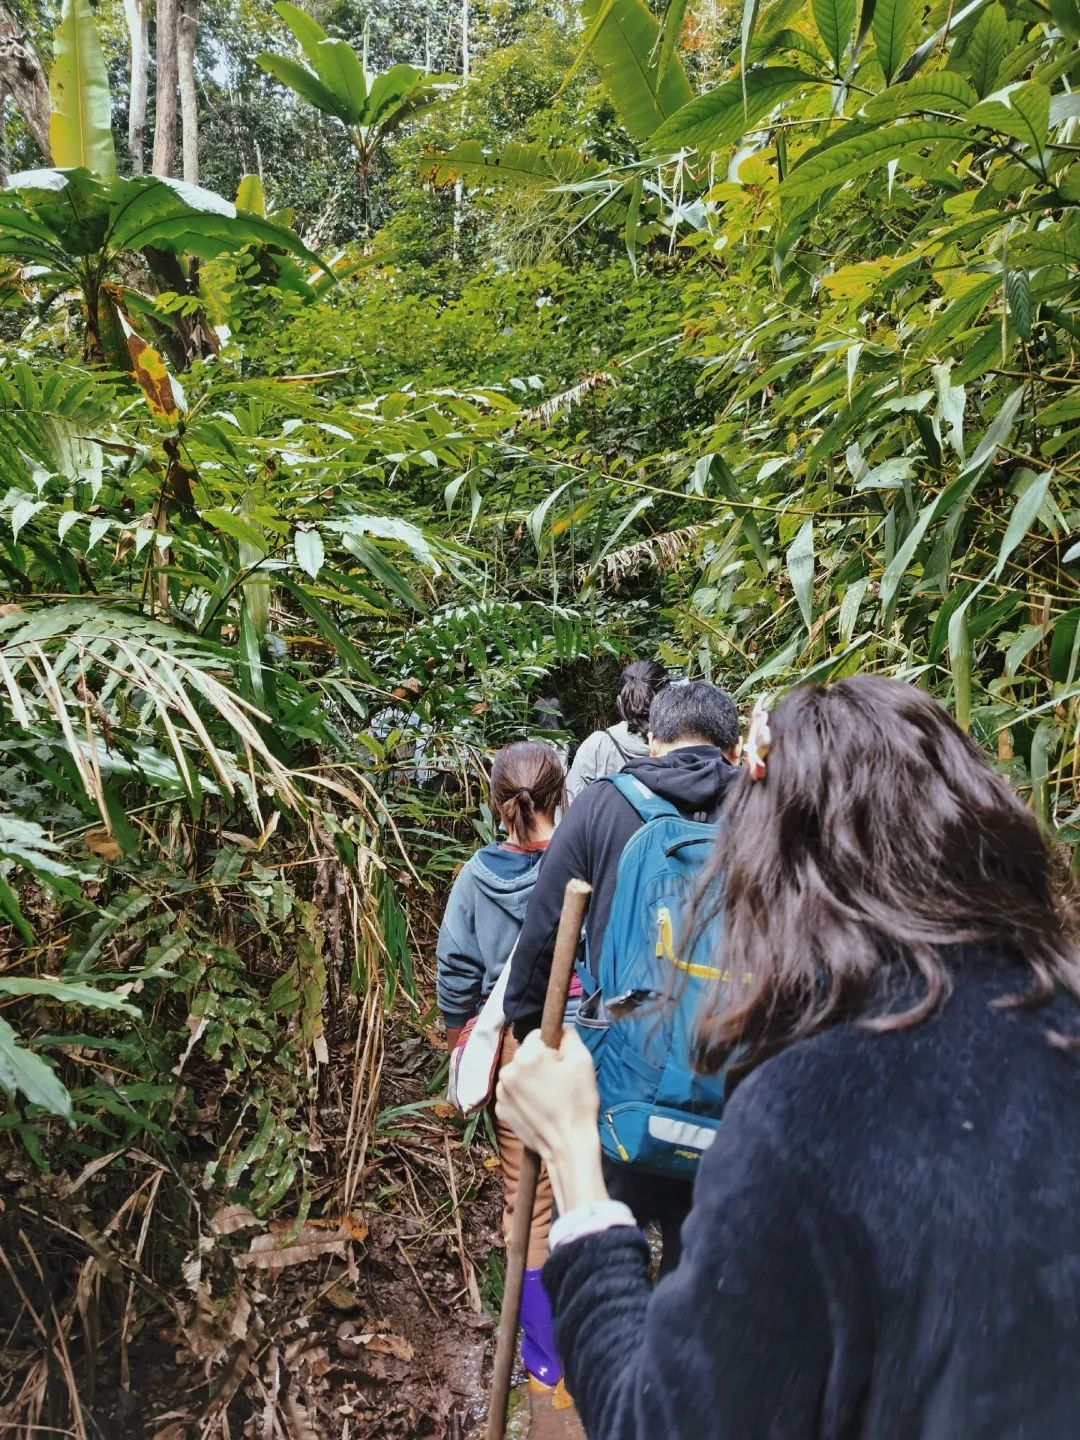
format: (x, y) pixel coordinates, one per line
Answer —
(575, 900)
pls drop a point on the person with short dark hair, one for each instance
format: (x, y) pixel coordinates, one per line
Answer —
(606, 752)
(885, 1236)
(693, 745)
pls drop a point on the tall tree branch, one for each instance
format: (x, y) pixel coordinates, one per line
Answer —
(187, 34)
(24, 79)
(164, 161)
(137, 15)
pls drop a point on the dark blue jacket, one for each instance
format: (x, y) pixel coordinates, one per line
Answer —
(884, 1245)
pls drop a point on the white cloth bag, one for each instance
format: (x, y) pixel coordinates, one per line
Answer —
(476, 1055)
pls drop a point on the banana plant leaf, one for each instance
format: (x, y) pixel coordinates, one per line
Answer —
(622, 47)
(80, 128)
(186, 219)
(73, 203)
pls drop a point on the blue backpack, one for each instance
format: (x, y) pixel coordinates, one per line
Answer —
(638, 1018)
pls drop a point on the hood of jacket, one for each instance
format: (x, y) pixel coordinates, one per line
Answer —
(695, 778)
(505, 878)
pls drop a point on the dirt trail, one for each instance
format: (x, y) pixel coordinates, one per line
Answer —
(386, 1336)
(377, 1325)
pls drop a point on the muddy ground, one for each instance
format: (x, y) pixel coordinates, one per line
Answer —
(391, 1333)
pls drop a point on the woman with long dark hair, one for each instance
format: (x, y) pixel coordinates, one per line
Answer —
(885, 1236)
(606, 752)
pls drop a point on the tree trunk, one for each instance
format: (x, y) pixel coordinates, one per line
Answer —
(138, 24)
(459, 187)
(3, 138)
(22, 77)
(189, 106)
(164, 161)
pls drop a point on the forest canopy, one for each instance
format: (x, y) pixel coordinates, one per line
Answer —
(371, 373)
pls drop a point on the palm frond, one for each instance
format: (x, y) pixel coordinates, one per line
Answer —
(116, 691)
(662, 552)
(51, 422)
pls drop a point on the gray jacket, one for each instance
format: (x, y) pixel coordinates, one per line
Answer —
(604, 752)
(480, 927)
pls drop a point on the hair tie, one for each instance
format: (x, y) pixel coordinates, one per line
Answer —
(758, 741)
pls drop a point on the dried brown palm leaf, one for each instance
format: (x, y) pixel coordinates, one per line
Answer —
(559, 404)
(663, 553)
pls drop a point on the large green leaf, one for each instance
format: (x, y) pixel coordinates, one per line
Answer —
(514, 164)
(773, 41)
(892, 26)
(1025, 511)
(953, 21)
(250, 195)
(309, 33)
(306, 84)
(401, 83)
(831, 165)
(21, 1071)
(1066, 15)
(65, 992)
(835, 20)
(746, 30)
(1022, 111)
(622, 50)
(74, 204)
(22, 234)
(943, 90)
(80, 128)
(774, 34)
(720, 117)
(185, 219)
(670, 30)
(596, 20)
(341, 72)
(987, 48)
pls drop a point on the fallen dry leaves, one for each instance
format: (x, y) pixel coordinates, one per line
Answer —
(270, 1252)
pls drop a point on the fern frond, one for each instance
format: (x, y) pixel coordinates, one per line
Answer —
(663, 552)
(105, 684)
(559, 404)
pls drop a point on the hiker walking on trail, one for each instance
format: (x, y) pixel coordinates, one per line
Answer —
(885, 1236)
(693, 742)
(480, 927)
(605, 752)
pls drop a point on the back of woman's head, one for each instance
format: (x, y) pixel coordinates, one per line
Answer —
(526, 781)
(640, 682)
(878, 840)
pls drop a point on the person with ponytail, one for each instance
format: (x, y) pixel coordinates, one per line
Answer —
(884, 1241)
(606, 752)
(480, 927)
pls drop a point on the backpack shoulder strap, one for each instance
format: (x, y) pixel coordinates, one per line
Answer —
(648, 805)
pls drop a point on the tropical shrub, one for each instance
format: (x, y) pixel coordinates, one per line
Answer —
(259, 631)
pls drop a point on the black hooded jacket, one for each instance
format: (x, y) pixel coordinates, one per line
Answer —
(587, 846)
(884, 1245)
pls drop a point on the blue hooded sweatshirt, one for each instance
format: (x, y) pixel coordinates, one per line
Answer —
(480, 927)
